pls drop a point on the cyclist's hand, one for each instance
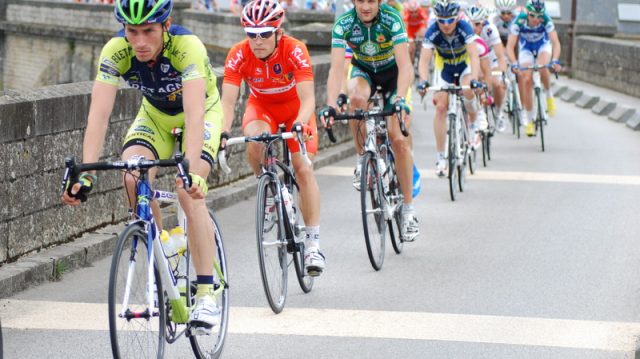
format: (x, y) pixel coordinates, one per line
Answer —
(76, 192)
(475, 84)
(515, 68)
(556, 66)
(198, 188)
(304, 129)
(224, 136)
(342, 102)
(326, 114)
(423, 88)
(401, 106)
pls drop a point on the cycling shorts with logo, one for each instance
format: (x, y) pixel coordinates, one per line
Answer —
(281, 113)
(152, 129)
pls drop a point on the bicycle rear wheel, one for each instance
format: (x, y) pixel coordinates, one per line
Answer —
(136, 331)
(210, 346)
(540, 119)
(304, 280)
(452, 157)
(468, 156)
(272, 248)
(373, 221)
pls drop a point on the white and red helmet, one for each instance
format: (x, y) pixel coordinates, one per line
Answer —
(262, 15)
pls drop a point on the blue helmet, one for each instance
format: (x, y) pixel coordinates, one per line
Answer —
(535, 5)
(137, 12)
(446, 8)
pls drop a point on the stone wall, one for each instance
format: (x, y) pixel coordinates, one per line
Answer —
(610, 63)
(41, 127)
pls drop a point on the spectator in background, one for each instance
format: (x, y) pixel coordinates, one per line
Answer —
(289, 5)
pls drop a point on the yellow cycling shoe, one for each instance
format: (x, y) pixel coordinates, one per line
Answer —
(551, 107)
(530, 129)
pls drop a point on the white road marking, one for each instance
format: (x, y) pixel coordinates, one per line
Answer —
(485, 174)
(562, 333)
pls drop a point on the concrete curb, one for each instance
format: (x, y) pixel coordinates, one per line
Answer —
(634, 122)
(603, 107)
(587, 101)
(621, 114)
(52, 263)
(571, 95)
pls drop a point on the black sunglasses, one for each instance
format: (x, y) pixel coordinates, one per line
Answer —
(506, 13)
(262, 35)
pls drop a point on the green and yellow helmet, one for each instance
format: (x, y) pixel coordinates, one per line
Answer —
(138, 12)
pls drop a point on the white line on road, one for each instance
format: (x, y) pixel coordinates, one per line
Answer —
(563, 333)
(512, 176)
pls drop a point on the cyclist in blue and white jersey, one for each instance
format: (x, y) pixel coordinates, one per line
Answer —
(457, 60)
(538, 43)
(507, 13)
(478, 15)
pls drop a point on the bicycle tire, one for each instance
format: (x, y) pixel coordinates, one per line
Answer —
(124, 332)
(304, 280)
(540, 119)
(394, 193)
(272, 253)
(466, 156)
(452, 158)
(202, 346)
(374, 227)
(492, 131)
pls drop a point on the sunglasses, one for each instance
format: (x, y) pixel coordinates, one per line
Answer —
(476, 24)
(506, 13)
(536, 16)
(447, 20)
(262, 35)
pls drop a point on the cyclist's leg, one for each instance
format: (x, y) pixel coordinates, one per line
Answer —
(360, 89)
(256, 120)
(441, 101)
(544, 58)
(145, 138)
(525, 82)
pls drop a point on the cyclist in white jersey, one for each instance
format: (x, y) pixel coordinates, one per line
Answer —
(538, 43)
(477, 15)
(503, 19)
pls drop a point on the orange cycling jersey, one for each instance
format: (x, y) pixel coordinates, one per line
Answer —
(274, 79)
(415, 18)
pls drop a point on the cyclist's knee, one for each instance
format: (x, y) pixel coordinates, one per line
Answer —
(400, 144)
(471, 104)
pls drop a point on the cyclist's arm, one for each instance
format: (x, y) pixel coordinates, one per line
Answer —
(555, 45)
(336, 72)
(405, 69)
(103, 96)
(230, 94)
(425, 60)
(193, 100)
(511, 48)
(307, 97)
(472, 49)
(499, 50)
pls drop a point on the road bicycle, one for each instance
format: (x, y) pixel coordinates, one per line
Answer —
(541, 109)
(490, 111)
(380, 195)
(146, 307)
(280, 230)
(512, 104)
(460, 154)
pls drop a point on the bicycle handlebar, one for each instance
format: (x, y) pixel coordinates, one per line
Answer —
(72, 170)
(265, 137)
(359, 115)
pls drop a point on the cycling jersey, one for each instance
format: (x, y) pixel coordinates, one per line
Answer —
(415, 21)
(184, 58)
(503, 26)
(273, 79)
(452, 57)
(489, 34)
(372, 46)
(272, 84)
(532, 37)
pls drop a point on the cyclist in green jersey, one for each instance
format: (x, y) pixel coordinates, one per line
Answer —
(169, 65)
(376, 34)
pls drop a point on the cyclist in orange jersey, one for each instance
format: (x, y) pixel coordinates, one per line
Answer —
(277, 69)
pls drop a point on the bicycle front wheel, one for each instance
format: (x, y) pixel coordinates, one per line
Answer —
(272, 248)
(540, 119)
(373, 221)
(304, 280)
(136, 330)
(210, 346)
(452, 157)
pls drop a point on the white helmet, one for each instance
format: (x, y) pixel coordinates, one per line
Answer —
(506, 5)
(477, 13)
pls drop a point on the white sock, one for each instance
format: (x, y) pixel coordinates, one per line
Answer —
(312, 237)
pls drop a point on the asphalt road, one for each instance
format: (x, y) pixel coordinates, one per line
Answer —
(538, 258)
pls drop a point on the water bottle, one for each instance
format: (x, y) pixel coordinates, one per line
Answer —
(169, 249)
(180, 246)
(288, 203)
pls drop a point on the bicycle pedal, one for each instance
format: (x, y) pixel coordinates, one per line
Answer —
(200, 331)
